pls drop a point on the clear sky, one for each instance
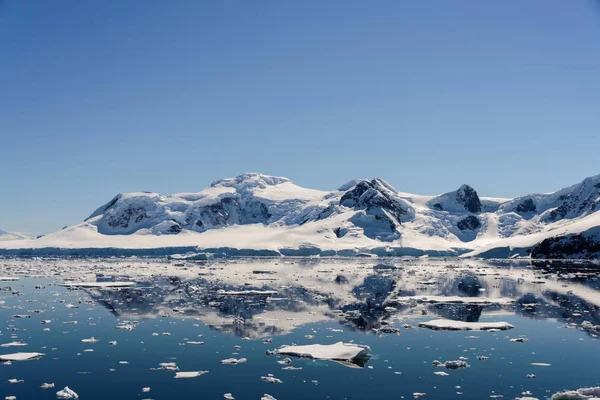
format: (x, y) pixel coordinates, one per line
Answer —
(102, 97)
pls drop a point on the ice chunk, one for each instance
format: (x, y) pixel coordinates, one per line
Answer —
(90, 340)
(453, 364)
(579, 394)
(190, 374)
(233, 361)
(20, 356)
(338, 351)
(97, 284)
(47, 386)
(267, 397)
(246, 292)
(455, 300)
(271, 379)
(16, 381)
(145, 389)
(228, 396)
(539, 364)
(13, 344)
(451, 325)
(67, 393)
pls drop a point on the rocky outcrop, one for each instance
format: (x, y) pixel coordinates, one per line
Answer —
(463, 199)
(468, 198)
(526, 206)
(469, 223)
(585, 245)
(374, 194)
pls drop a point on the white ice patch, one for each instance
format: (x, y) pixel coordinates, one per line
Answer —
(338, 351)
(97, 284)
(579, 394)
(20, 356)
(190, 374)
(233, 361)
(455, 300)
(67, 393)
(448, 324)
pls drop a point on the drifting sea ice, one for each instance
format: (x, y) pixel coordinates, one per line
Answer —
(579, 394)
(189, 374)
(67, 393)
(20, 356)
(338, 351)
(451, 325)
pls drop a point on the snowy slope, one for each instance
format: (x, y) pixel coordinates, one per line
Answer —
(272, 216)
(4, 235)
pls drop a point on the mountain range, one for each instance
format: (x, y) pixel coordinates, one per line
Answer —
(261, 215)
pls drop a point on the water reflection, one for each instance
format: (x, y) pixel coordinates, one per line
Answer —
(360, 297)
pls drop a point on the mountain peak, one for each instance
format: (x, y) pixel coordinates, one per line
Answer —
(251, 180)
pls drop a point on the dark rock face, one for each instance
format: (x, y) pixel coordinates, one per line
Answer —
(526, 206)
(175, 228)
(585, 199)
(567, 247)
(468, 198)
(225, 212)
(254, 211)
(368, 195)
(340, 232)
(135, 213)
(437, 206)
(469, 223)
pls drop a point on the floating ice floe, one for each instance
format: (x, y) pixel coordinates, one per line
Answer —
(97, 284)
(145, 389)
(271, 379)
(20, 356)
(90, 340)
(67, 393)
(455, 300)
(588, 325)
(8, 279)
(579, 394)
(16, 381)
(189, 374)
(267, 397)
(451, 325)
(539, 364)
(228, 396)
(338, 352)
(46, 385)
(13, 344)
(233, 361)
(441, 373)
(246, 292)
(453, 364)
(519, 340)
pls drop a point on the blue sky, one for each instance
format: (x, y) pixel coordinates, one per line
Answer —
(104, 97)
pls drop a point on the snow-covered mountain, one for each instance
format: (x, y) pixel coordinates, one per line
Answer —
(4, 235)
(255, 214)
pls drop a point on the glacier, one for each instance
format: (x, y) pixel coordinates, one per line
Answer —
(260, 215)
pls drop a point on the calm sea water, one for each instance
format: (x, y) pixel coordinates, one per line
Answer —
(189, 308)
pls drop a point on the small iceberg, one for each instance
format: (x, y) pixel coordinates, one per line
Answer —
(233, 361)
(97, 284)
(190, 374)
(345, 352)
(20, 356)
(450, 325)
(67, 393)
(579, 394)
